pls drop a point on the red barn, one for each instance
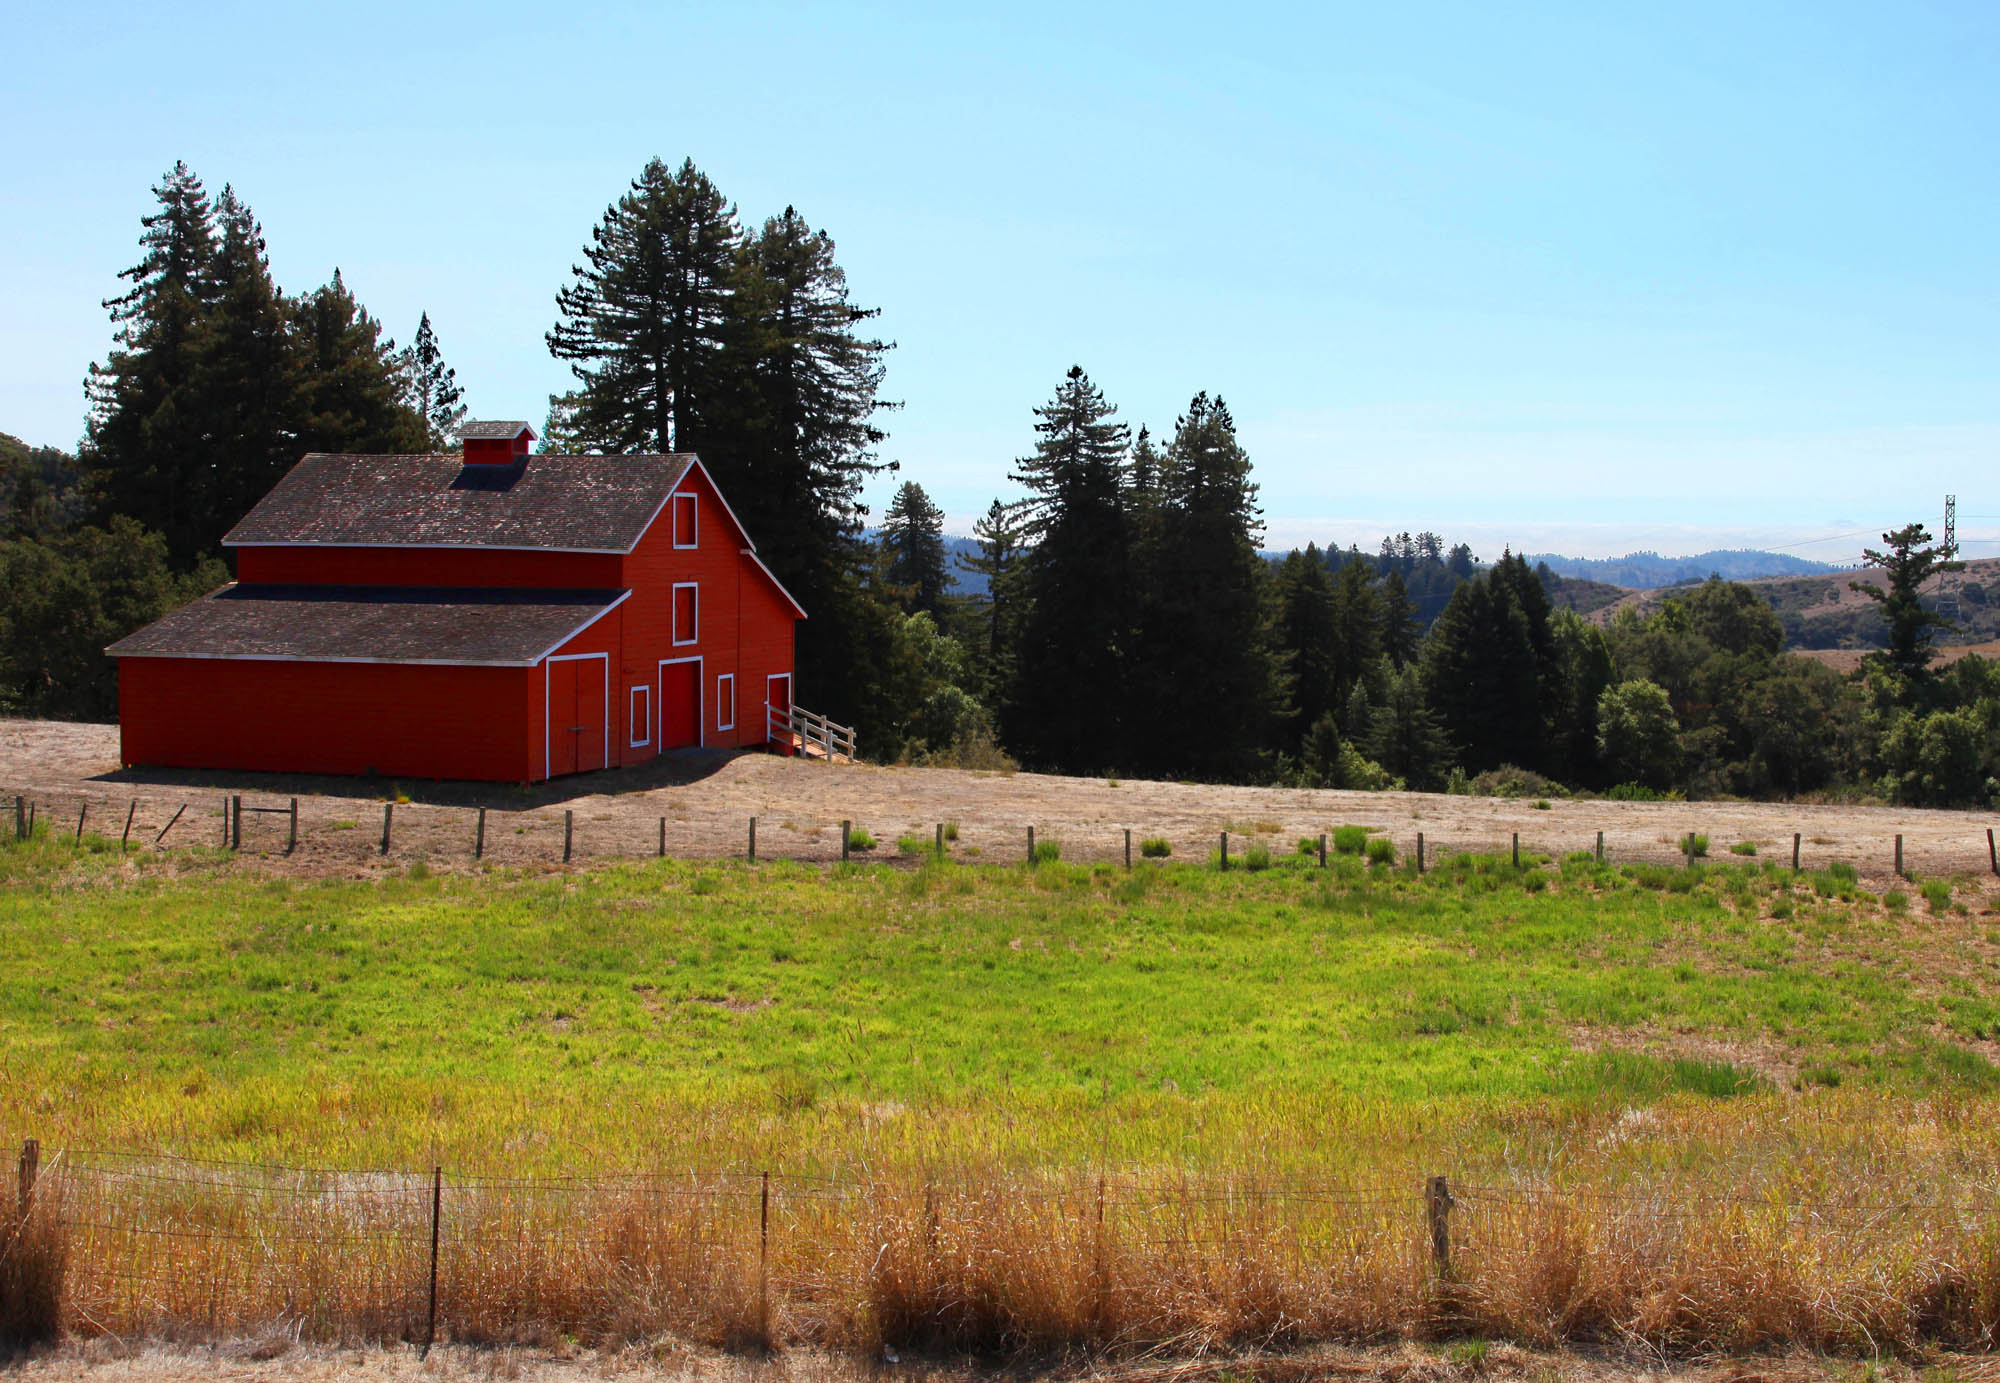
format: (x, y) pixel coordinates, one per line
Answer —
(490, 615)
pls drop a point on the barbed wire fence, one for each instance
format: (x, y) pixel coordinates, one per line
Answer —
(143, 1245)
(547, 835)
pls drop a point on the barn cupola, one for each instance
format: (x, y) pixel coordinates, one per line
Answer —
(495, 443)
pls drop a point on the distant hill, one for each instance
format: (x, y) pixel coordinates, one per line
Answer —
(1646, 571)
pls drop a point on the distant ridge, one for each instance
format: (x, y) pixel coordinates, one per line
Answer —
(1647, 571)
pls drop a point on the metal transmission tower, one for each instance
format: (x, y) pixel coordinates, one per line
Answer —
(1947, 596)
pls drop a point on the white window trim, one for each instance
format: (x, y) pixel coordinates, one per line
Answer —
(700, 710)
(720, 723)
(674, 518)
(547, 759)
(639, 721)
(674, 613)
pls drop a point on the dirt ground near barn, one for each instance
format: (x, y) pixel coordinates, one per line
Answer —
(256, 1361)
(706, 801)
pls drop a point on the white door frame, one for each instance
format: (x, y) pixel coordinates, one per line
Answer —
(605, 658)
(769, 678)
(700, 704)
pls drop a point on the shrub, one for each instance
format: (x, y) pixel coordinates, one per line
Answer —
(1308, 846)
(1350, 840)
(1156, 847)
(1698, 845)
(951, 830)
(1937, 893)
(1634, 792)
(1381, 850)
(1541, 804)
(859, 839)
(1895, 900)
(1743, 847)
(1510, 780)
(1046, 852)
(1843, 872)
(913, 845)
(1257, 857)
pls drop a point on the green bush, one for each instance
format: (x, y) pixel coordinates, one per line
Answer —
(1156, 847)
(1698, 845)
(1509, 780)
(951, 830)
(859, 839)
(1895, 900)
(1843, 872)
(1047, 852)
(914, 845)
(1937, 893)
(1350, 840)
(1381, 850)
(1743, 847)
(1634, 792)
(1257, 857)
(1308, 846)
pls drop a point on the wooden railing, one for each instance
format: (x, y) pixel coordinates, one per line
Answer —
(794, 725)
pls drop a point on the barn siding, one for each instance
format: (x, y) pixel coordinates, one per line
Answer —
(399, 566)
(396, 719)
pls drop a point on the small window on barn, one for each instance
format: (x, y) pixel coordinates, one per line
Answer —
(686, 516)
(725, 701)
(639, 729)
(687, 613)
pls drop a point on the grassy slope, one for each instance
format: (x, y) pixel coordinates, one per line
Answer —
(354, 1020)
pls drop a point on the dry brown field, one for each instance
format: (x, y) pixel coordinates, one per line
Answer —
(707, 799)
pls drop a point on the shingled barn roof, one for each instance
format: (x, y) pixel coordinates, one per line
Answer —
(559, 503)
(374, 624)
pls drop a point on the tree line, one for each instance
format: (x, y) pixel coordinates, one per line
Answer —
(1128, 622)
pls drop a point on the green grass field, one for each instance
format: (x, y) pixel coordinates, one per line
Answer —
(644, 1011)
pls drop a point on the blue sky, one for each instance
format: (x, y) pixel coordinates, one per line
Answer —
(1579, 278)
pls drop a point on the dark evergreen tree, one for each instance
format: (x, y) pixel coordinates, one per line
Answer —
(1358, 617)
(1308, 632)
(1480, 676)
(431, 388)
(351, 392)
(249, 382)
(912, 542)
(146, 436)
(1404, 736)
(799, 396)
(1065, 707)
(1911, 559)
(1400, 630)
(1460, 562)
(998, 608)
(645, 319)
(1216, 684)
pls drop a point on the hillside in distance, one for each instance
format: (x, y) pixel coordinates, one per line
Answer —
(1646, 571)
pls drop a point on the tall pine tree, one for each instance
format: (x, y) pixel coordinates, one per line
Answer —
(1216, 687)
(1065, 708)
(997, 611)
(912, 541)
(249, 380)
(1309, 632)
(351, 390)
(431, 388)
(146, 434)
(644, 320)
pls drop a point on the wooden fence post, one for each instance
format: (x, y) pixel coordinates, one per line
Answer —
(437, 1214)
(225, 823)
(663, 837)
(847, 832)
(1437, 1209)
(1322, 849)
(1600, 847)
(1420, 852)
(236, 822)
(479, 837)
(388, 824)
(1031, 845)
(1992, 857)
(940, 840)
(130, 812)
(170, 823)
(1517, 849)
(1225, 850)
(753, 840)
(1128, 846)
(1795, 850)
(1899, 856)
(292, 839)
(569, 832)
(31, 1167)
(764, 1260)
(84, 811)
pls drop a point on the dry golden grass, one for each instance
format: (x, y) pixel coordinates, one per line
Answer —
(1851, 1224)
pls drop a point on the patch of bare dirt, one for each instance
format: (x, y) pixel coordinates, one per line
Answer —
(106, 1361)
(707, 799)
